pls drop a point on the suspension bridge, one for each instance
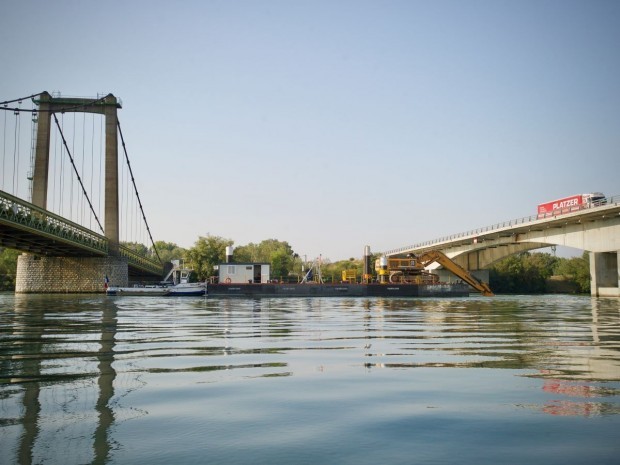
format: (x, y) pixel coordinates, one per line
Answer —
(61, 178)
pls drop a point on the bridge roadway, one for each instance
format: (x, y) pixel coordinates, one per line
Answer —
(28, 228)
(595, 229)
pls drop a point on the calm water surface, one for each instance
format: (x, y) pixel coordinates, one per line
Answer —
(136, 380)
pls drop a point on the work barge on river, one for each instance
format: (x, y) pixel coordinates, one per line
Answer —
(393, 277)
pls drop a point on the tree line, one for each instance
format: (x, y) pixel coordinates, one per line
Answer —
(533, 273)
(524, 273)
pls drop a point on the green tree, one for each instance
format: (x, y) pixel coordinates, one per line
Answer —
(281, 263)
(206, 253)
(8, 268)
(505, 275)
(528, 272)
(543, 262)
(332, 272)
(537, 268)
(169, 251)
(279, 254)
(136, 247)
(576, 269)
(247, 253)
(522, 273)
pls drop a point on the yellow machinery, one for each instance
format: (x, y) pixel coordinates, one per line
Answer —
(349, 276)
(411, 270)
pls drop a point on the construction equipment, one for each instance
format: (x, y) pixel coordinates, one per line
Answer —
(412, 270)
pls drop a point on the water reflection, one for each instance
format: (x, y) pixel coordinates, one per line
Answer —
(570, 389)
(106, 378)
(72, 365)
(50, 355)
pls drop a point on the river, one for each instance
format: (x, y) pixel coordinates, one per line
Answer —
(162, 380)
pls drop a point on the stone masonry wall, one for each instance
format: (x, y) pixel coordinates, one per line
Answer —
(73, 275)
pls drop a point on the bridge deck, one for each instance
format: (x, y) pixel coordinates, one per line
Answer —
(514, 227)
(26, 227)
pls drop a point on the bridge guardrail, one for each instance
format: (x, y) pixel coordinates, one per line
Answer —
(140, 261)
(18, 211)
(613, 200)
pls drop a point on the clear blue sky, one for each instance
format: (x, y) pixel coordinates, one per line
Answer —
(336, 124)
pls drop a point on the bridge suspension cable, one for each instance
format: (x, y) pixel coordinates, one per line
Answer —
(4, 105)
(3, 153)
(13, 167)
(16, 152)
(76, 171)
(118, 123)
(20, 100)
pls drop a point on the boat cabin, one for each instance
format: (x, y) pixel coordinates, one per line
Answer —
(178, 274)
(243, 273)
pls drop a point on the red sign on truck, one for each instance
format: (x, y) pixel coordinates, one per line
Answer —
(557, 207)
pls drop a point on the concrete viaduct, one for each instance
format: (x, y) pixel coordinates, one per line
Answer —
(595, 229)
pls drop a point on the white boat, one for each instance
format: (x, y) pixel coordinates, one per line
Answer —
(138, 290)
(187, 289)
(176, 283)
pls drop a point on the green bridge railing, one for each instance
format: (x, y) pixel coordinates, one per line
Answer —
(24, 216)
(141, 262)
(30, 218)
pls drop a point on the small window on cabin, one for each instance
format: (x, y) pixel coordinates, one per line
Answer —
(231, 269)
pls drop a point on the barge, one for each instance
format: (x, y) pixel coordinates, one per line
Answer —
(393, 277)
(337, 290)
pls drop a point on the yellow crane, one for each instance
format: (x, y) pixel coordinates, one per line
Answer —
(411, 270)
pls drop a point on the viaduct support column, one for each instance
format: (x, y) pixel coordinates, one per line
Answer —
(604, 276)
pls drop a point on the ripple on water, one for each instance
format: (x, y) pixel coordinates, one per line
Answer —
(163, 380)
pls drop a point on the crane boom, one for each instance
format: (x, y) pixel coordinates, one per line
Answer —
(436, 256)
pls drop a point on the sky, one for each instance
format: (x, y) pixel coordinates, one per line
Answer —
(337, 124)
